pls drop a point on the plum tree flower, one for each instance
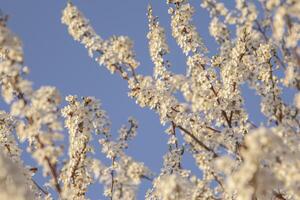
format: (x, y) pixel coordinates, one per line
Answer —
(183, 30)
(13, 182)
(204, 110)
(213, 116)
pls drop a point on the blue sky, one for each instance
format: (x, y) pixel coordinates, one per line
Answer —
(56, 59)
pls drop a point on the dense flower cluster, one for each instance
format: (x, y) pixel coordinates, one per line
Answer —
(114, 52)
(13, 184)
(213, 118)
(157, 46)
(80, 29)
(259, 49)
(36, 110)
(269, 165)
(37, 120)
(118, 51)
(183, 30)
(122, 178)
(9, 149)
(82, 119)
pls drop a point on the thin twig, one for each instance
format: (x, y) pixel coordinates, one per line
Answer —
(112, 179)
(39, 187)
(197, 140)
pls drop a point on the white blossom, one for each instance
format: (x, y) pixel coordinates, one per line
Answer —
(13, 184)
(157, 46)
(82, 119)
(169, 187)
(113, 52)
(118, 51)
(80, 29)
(184, 31)
(206, 110)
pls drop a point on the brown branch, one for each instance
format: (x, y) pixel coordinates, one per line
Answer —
(198, 141)
(72, 176)
(32, 169)
(218, 181)
(51, 167)
(279, 196)
(112, 178)
(218, 100)
(226, 118)
(252, 124)
(174, 133)
(119, 68)
(39, 187)
(278, 59)
(133, 74)
(192, 120)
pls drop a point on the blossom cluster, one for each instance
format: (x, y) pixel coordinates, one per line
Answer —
(36, 111)
(212, 118)
(122, 178)
(258, 49)
(183, 30)
(114, 52)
